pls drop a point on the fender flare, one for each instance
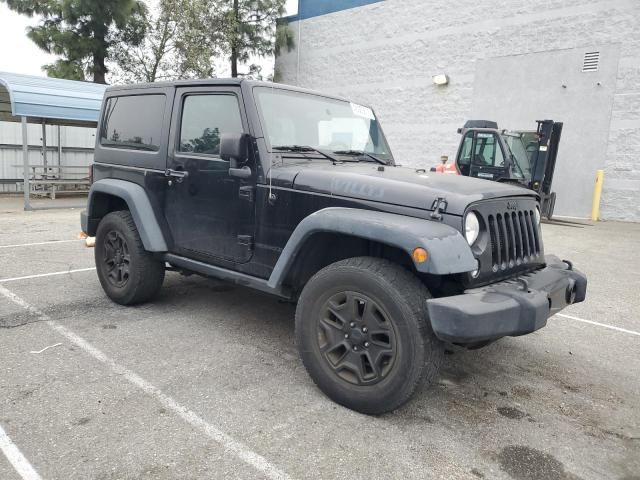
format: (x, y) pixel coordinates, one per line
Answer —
(448, 250)
(139, 206)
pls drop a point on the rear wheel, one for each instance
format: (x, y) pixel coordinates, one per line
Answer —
(363, 332)
(127, 272)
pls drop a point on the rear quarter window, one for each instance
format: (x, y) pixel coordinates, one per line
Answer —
(133, 122)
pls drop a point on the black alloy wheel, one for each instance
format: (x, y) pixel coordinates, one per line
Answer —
(127, 272)
(364, 335)
(356, 338)
(116, 258)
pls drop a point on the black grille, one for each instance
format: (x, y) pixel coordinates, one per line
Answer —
(514, 239)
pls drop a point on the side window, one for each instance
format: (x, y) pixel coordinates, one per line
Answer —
(465, 153)
(133, 122)
(204, 118)
(487, 152)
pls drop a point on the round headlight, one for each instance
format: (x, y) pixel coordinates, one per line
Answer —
(471, 227)
(537, 214)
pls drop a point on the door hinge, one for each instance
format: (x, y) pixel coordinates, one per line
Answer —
(247, 193)
(245, 241)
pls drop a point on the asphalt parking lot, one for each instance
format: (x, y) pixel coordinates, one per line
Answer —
(206, 382)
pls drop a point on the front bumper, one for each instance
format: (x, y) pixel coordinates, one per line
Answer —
(514, 307)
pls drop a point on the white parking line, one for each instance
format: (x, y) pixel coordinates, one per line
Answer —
(40, 275)
(39, 243)
(231, 445)
(604, 325)
(16, 458)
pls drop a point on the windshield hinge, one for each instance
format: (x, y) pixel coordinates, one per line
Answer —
(439, 206)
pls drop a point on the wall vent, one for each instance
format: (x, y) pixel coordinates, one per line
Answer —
(591, 61)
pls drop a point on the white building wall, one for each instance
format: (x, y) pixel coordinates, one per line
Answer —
(11, 159)
(385, 54)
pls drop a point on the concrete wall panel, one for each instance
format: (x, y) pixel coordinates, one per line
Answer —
(519, 89)
(385, 54)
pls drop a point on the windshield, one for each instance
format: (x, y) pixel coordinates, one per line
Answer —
(303, 119)
(519, 155)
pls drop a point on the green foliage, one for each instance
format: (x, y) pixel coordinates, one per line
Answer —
(156, 57)
(284, 38)
(182, 39)
(250, 28)
(65, 69)
(83, 32)
(235, 29)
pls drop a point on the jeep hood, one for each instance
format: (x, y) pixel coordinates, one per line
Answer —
(391, 185)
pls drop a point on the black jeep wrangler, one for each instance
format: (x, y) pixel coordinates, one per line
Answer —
(297, 194)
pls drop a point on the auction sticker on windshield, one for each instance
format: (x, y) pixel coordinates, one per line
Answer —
(362, 111)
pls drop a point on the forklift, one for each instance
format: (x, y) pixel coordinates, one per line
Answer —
(524, 158)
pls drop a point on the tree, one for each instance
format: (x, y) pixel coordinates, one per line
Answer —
(180, 42)
(251, 30)
(156, 57)
(83, 32)
(235, 29)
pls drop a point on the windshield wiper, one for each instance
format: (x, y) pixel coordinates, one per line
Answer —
(361, 153)
(303, 149)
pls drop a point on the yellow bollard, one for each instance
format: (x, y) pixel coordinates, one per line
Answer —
(597, 193)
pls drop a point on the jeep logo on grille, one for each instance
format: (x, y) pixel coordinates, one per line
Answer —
(512, 205)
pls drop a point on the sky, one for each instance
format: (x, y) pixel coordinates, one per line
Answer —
(18, 54)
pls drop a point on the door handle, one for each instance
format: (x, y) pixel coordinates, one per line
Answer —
(179, 175)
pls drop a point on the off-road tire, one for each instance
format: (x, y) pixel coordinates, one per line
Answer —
(145, 272)
(397, 293)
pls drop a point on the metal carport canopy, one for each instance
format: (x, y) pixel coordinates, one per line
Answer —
(60, 102)
(53, 101)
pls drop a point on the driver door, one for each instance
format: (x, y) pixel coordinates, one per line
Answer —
(207, 216)
(487, 159)
(465, 152)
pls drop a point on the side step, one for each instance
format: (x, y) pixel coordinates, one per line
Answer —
(224, 274)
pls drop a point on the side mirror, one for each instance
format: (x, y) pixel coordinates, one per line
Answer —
(234, 148)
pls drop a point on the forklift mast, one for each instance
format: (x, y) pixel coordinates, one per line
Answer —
(544, 162)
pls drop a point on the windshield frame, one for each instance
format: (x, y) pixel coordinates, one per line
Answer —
(298, 91)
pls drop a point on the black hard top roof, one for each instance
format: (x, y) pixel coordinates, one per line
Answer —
(219, 81)
(178, 83)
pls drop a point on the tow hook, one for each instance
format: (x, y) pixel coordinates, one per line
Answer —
(569, 264)
(524, 285)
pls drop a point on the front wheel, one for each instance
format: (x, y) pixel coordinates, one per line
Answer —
(128, 273)
(363, 333)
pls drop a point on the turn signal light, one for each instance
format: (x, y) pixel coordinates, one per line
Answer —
(420, 255)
